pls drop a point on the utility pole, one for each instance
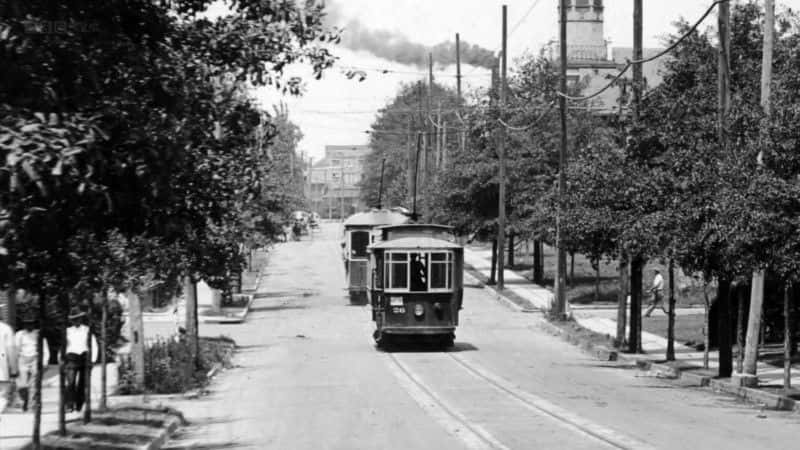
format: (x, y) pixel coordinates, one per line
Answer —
(458, 67)
(341, 191)
(561, 264)
(501, 150)
(724, 101)
(749, 377)
(429, 137)
(411, 170)
(637, 261)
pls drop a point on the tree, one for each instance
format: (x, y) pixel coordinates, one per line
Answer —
(133, 119)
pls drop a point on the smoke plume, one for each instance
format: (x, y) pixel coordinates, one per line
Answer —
(396, 47)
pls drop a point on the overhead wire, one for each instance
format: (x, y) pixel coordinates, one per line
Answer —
(530, 125)
(630, 63)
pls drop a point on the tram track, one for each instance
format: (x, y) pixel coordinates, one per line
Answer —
(475, 436)
(535, 403)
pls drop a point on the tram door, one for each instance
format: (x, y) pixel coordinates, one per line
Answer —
(359, 240)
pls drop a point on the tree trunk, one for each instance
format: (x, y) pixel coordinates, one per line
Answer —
(724, 328)
(671, 317)
(190, 291)
(635, 331)
(622, 301)
(794, 323)
(787, 337)
(37, 380)
(596, 267)
(740, 326)
(492, 279)
(137, 338)
(571, 281)
(103, 355)
(511, 251)
(538, 270)
(87, 405)
(706, 325)
(62, 383)
(11, 308)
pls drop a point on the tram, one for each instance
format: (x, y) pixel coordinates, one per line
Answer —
(416, 283)
(359, 232)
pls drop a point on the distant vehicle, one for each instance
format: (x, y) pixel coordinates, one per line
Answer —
(358, 234)
(301, 220)
(416, 283)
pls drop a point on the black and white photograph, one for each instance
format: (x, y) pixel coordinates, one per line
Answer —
(399, 224)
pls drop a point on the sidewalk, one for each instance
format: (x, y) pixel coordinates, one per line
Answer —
(603, 321)
(16, 426)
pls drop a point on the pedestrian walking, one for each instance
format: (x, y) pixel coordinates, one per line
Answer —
(25, 341)
(77, 359)
(658, 294)
(8, 365)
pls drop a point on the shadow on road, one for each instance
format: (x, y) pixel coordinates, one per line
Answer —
(277, 308)
(427, 347)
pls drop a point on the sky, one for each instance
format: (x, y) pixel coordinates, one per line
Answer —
(338, 110)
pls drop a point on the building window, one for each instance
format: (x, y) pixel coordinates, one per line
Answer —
(335, 162)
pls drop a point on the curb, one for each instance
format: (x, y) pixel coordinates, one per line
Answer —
(235, 318)
(598, 351)
(501, 298)
(684, 376)
(82, 438)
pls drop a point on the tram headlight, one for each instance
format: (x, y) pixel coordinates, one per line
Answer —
(419, 310)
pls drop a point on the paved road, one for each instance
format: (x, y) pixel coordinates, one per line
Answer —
(309, 377)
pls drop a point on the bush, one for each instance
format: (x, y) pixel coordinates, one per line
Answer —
(169, 368)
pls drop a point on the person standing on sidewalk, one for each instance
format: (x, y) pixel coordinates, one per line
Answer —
(25, 341)
(77, 359)
(658, 294)
(8, 365)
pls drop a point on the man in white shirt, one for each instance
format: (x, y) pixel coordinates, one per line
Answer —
(658, 294)
(77, 359)
(25, 341)
(8, 364)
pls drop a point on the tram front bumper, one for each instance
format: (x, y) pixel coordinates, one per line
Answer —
(419, 330)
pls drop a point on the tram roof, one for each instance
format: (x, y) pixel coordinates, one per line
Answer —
(375, 218)
(415, 243)
(417, 227)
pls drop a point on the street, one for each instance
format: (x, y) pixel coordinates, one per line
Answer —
(308, 376)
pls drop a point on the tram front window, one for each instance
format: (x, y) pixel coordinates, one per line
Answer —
(359, 240)
(419, 272)
(397, 271)
(441, 267)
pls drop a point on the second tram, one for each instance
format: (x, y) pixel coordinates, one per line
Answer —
(358, 235)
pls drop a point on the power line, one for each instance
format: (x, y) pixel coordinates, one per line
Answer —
(524, 17)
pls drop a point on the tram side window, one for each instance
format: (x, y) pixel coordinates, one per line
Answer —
(359, 240)
(441, 268)
(397, 271)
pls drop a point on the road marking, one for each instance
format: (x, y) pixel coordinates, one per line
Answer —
(471, 434)
(566, 418)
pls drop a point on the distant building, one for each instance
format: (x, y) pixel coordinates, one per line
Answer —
(588, 59)
(333, 189)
